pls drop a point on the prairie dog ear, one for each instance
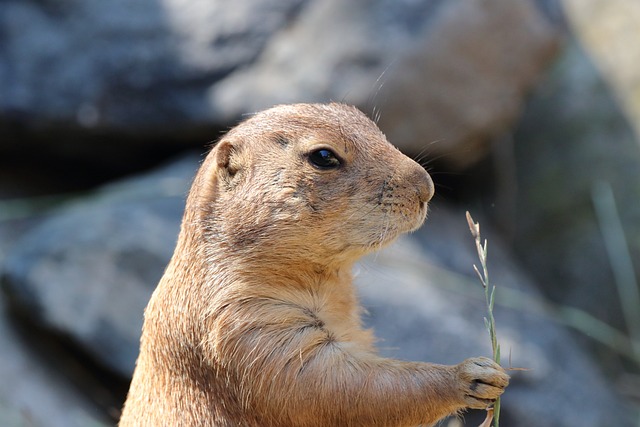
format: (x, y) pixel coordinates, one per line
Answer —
(224, 150)
(227, 159)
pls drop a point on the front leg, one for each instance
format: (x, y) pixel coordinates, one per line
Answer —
(303, 377)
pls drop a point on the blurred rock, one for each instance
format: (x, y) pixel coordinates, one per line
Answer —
(116, 64)
(609, 32)
(112, 70)
(572, 137)
(33, 394)
(88, 272)
(455, 72)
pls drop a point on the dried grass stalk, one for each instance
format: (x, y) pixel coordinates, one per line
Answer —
(489, 292)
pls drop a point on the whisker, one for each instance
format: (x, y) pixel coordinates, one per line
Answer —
(379, 83)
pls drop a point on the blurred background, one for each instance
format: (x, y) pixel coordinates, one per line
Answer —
(525, 112)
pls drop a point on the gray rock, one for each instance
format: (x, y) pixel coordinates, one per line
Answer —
(126, 65)
(175, 66)
(31, 393)
(417, 65)
(88, 270)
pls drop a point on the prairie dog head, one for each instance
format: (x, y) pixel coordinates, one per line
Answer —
(308, 181)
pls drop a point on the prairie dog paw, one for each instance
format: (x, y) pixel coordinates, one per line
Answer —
(482, 381)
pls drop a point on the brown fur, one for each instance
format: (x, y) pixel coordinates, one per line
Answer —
(255, 322)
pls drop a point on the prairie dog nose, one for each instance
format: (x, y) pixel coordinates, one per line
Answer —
(423, 183)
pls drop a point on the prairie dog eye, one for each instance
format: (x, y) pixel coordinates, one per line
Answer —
(324, 158)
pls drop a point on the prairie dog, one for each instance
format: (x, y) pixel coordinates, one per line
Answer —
(255, 321)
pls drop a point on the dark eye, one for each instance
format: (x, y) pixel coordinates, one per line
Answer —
(324, 159)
